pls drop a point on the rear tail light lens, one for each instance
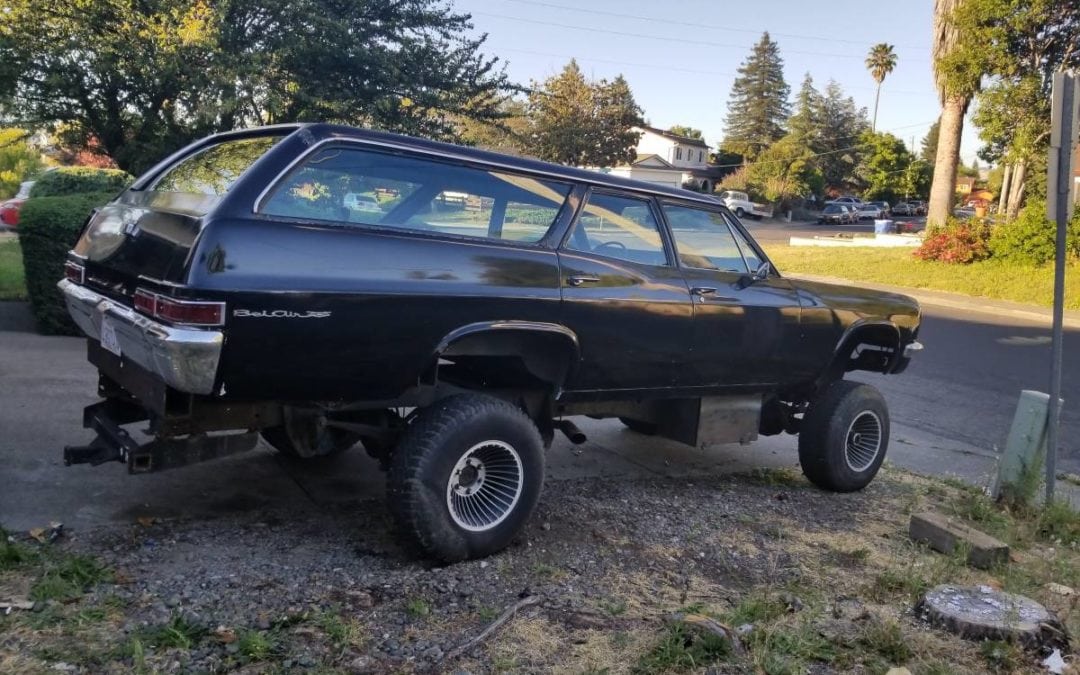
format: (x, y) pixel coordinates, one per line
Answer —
(74, 272)
(186, 312)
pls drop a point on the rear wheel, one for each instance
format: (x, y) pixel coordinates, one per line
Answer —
(466, 476)
(305, 434)
(844, 437)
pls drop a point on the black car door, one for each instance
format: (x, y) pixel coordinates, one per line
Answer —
(624, 297)
(746, 330)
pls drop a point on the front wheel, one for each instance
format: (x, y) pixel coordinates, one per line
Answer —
(466, 476)
(740, 212)
(844, 436)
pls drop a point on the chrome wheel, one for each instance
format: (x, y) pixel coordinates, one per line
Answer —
(485, 486)
(863, 441)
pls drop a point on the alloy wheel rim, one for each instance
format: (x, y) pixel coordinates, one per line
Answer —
(863, 441)
(484, 486)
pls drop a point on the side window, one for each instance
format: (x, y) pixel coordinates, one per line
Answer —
(213, 171)
(753, 260)
(704, 239)
(618, 227)
(348, 185)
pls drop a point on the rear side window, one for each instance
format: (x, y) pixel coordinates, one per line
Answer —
(213, 171)
(349, 185)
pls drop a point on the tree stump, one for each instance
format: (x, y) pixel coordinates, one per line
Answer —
(981, 613)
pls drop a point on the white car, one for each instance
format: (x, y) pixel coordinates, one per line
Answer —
(357, 201)
(740, 205)
(870, 211)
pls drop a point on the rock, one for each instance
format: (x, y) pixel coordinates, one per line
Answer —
(981, 613)
(64, 667)
(172, 601)
(545, 526)
(433, 653)
(1054, 663)
(898, 671)
(262, 622)
(791, 602)
(696, 623)
(745, 629)
(364, 665)
(1059, 589)
(945, 535)
(361, 599)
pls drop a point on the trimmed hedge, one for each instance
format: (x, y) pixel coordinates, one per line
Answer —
(48, 229)
(72, 180)
(1031, 239)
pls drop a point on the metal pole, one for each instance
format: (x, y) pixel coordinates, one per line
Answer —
(1059, 209)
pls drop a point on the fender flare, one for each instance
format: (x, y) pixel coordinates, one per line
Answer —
(846, 341)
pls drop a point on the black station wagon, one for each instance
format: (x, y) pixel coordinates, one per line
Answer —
(451, 309)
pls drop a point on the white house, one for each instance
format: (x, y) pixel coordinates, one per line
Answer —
(670, 159)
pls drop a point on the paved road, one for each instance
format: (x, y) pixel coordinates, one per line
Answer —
(779, 232)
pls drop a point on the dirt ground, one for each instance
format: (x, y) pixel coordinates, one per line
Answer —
(808, 581)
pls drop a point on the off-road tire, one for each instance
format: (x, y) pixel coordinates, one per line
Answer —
(828, 427)
(422, 463)
(637, 426)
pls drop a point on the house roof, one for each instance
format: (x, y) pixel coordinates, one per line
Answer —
(675, 137)
(965, 180)
(652, 161)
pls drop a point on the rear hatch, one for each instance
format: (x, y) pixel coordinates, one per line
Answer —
(147, 235)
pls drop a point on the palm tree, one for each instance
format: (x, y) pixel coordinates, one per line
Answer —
(956, 87)
(880, 62)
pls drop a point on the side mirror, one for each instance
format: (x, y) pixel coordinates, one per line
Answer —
(763, 271)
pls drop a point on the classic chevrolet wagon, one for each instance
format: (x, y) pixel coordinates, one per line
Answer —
(451, 309)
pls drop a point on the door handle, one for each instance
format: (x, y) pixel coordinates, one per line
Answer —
(703, 290)
(579, 280)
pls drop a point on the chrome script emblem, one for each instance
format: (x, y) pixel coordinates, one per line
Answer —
(277, 314)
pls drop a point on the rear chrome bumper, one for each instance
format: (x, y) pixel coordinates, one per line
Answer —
(184, 358)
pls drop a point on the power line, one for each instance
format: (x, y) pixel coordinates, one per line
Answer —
(693, 71)
(690, 24)
(645, 36)
(819, 154)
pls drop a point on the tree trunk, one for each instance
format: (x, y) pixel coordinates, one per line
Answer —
(943, 189)
(1016, 190)
(1003, 198)
(877, 95)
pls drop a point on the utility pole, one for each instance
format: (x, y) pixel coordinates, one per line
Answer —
(1059, 194)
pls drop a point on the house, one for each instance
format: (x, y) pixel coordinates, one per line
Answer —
(670, 159)
(964, 185)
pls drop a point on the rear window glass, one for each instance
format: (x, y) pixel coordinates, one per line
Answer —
(355, 186)
(213, 171)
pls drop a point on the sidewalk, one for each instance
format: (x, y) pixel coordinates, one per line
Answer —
(969, 303)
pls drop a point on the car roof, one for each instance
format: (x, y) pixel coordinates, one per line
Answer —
(320, 132)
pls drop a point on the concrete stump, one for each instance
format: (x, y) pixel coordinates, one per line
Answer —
(981, 613)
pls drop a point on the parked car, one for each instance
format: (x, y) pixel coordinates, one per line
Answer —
(356, 201)
(837, 214)
(870, 211)
(886, 210)
(919, 207)
(740, 204)
(904, 209)
(852, 201)
(9, 209)
(454, 340)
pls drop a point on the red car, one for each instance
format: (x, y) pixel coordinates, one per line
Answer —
(9, 209)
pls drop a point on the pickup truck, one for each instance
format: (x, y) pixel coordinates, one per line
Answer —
(454, 324)
(741, 206)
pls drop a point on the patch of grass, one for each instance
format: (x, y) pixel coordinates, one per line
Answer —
(341, 631)
(777, 477)
(256, 645)
(12, 275)
(418, 608)
(178, 632)
(487, 614)
(682, 649)
(987, 279)
(12, 553)
(613, 607)
(789, 649)
(1059, 522)
(542, 569)
(756, 608)
(1002, 657)
(66, 577)
(886, 637)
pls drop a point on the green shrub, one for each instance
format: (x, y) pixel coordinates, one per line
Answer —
(48, 229)
(71, 180)
(959, 242)
(1031, 239)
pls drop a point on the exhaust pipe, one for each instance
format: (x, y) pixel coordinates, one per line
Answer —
(576, 436)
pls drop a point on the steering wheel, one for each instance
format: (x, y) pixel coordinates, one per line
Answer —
(613, 244)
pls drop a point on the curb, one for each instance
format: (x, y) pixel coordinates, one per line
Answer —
(967, 303)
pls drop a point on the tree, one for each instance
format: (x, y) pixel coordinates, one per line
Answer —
(758, 107)
(883, 164)
(805, 123)
(786, 169)
(841, 126)
(18, 161)
(143, 78)
(687, 132)
(581, 123)
(507, 133)
(929, 144)
(880, 62)
(957, 77)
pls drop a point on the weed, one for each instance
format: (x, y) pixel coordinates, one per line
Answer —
(904, 581)
(255, 645)
(12, 554)
(417, 608)
(342, 632)
(487, 614)
(542, 569)
(1001, 657)
(755, 608)
(779, 650)
(621, 640)
(776, 477)
(613, 607)
(178, 632)
(886, 637)
(680, 649)
(67, 577)
(1059, 522)
(504, 664)
(89, 616)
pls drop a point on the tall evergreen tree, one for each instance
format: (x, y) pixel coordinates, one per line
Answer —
(805, 122)
(842, 124)
(758, 107)
(929, 144)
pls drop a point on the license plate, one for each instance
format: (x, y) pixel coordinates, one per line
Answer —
(108, 337)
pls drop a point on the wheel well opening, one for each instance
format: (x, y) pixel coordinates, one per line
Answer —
(873, 348)
(508, 359)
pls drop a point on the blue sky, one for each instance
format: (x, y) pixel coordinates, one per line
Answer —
(680, 56)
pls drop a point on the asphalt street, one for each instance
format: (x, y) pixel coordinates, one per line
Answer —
(779, 232)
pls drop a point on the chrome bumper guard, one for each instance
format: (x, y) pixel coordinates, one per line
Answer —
(912, 348)
(186, 359)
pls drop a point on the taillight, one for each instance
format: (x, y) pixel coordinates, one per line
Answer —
(187, 312)
(74, 272)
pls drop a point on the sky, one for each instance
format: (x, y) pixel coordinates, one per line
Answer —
(680, 56)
